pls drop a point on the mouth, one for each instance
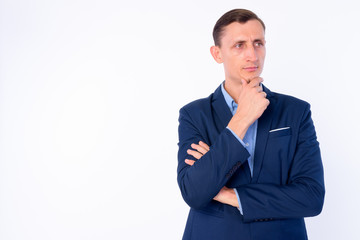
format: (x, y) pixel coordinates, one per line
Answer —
(251, 68)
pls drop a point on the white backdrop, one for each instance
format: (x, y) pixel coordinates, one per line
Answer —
(89, 100)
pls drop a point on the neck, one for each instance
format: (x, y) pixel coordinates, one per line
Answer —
(233, 88)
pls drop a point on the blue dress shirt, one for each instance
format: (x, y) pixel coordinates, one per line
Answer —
(249, 139)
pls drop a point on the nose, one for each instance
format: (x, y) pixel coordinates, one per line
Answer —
(251, 54)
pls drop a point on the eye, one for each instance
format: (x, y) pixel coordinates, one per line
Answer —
(258, 44)
(238, 45)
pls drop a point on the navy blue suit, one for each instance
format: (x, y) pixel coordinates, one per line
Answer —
(287, 183)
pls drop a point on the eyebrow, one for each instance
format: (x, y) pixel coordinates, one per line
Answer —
(259, 40)
(239, 41)
(256, 40)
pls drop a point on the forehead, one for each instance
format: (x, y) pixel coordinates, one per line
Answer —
(249, 31)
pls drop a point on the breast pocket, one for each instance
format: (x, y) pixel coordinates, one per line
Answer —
(280, 132)
(277, 157)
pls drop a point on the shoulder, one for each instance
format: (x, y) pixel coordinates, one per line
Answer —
(289, 102)
(196, 110)
(198, 105)
(203, 105)
(289, 107)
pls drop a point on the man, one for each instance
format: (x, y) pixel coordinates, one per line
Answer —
(249, 163)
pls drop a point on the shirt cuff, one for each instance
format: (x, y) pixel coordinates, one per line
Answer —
(238, 198)
(237, 137)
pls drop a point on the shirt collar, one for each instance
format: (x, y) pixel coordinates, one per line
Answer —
(228, 99)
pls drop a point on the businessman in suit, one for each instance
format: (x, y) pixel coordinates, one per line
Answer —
(249, 163)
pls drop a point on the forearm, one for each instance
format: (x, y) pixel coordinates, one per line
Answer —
(239, 126)
(200, 183)
(269, 201)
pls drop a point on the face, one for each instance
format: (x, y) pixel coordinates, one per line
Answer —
(242, 50)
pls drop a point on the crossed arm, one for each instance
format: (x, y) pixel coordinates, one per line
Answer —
(203, 180)
(226, 195)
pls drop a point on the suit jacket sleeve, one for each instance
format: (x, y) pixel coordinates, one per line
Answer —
(200, 183)
(303, 195)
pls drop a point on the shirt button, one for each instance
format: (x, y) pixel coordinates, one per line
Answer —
(247, 144)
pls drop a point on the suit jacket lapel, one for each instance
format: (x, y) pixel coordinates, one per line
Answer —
(222, 112)
(264, 123)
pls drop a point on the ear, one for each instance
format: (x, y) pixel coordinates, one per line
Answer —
(215, 52)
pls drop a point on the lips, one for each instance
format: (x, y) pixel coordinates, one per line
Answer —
(251, 69)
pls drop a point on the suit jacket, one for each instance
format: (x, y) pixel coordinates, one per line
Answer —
(287, 183)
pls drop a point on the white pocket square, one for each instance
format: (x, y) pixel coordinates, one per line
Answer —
(279, 129)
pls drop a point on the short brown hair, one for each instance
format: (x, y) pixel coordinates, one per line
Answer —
(235, 15)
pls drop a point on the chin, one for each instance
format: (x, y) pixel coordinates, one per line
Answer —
(249, 77)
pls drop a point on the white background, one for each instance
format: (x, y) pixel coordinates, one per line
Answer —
(89, 100)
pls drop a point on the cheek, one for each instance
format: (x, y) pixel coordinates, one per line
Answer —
(231, 63)
(262, 55)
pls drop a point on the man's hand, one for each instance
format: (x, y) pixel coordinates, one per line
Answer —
(226, 195)
(252, 103)
(200, 148)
